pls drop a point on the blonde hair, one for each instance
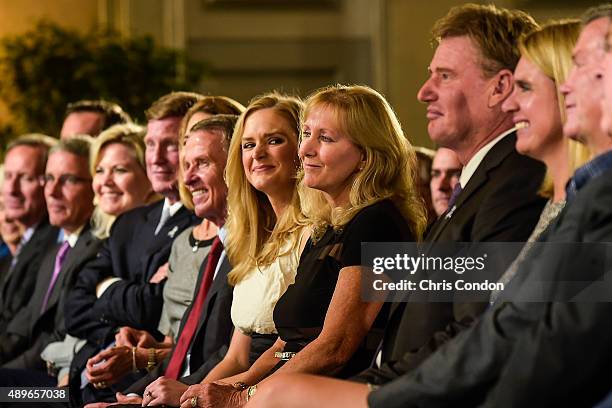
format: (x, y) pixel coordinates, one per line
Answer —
(550, 49)
(130, 135)
(390, 165)
(255, 235)
(214, 105)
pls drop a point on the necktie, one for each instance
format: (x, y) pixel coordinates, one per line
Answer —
(184, 341)
(59, 260)
(162, 220)
(454, 195)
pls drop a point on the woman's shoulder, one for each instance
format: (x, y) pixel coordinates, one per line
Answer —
(381, 218)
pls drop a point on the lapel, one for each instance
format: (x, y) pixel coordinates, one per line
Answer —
(218, 282)
(153, 244)
(83, 251)
(493, 159)
(37, 243)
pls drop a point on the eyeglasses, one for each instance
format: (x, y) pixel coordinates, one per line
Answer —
(65, 179)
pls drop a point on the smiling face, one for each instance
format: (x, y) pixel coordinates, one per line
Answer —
(535, 111)
(120, 182)
(68, 190)
(162, 155)
(269, 153)
(204, 160)
(22, 190)
(329, 157)
(455, 93)
(583, 89)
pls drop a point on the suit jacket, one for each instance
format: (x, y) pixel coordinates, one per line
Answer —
(30, 330)
(16, 290)
(499, 203)
(133, 253)
(212, 336)
(528, 348)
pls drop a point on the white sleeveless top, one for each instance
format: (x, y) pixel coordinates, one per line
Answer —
(256, 295)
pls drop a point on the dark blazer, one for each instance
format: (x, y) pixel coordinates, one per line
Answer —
(499, 203)
(30, 331)
(531, 353)
(133, 253)
(212, 336)
(16, 290)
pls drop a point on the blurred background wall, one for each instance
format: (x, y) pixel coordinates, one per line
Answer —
(252, 46)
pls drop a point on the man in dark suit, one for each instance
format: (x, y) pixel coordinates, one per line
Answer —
(498, 197)
(24, 200)
(114, 290)
(69, 198)
(207, 140)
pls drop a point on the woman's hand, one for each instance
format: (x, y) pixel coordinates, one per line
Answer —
(163, 391)
(216, 394)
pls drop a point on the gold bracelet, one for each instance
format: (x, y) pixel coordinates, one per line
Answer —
(152, 360)
(134, 367)
(251, 391)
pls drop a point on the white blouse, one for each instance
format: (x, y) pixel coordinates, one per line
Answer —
(256, 295)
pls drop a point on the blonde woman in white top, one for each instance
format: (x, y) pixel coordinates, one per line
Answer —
(264, 224)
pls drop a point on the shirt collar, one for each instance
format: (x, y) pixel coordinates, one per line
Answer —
(588, 172)
(172, 208)
(470, 168)
(73, 237)
(27, 235)
(222, 234)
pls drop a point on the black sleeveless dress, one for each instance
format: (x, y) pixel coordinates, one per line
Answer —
(299, 314)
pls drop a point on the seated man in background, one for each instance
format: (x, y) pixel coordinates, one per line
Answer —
(445, 172)
(24, 201)
(69, 198)
(91, 117)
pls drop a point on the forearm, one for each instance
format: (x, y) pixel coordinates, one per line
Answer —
(320, 356)
(228, 367)
(259, 369)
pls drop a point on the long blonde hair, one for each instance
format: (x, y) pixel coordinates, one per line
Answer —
(390, 166)
(550, 49)
(255, 235)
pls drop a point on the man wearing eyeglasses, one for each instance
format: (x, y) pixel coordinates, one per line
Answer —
(69, 200)
(23, 193)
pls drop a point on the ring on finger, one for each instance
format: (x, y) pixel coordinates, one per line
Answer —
(194, 401)
(148, 394)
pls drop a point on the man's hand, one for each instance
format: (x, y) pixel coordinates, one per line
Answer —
(160, 275)
(130, 337)
(108, 366)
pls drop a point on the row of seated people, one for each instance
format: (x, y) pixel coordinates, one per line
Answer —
(265, 290)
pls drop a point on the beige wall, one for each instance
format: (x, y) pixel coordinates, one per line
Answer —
(251, 49)
(17, 16)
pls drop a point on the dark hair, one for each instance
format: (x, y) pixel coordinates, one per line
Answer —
(223, 123)
(597, 12)
(111, 112)
(495, 31)
(175, 104)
